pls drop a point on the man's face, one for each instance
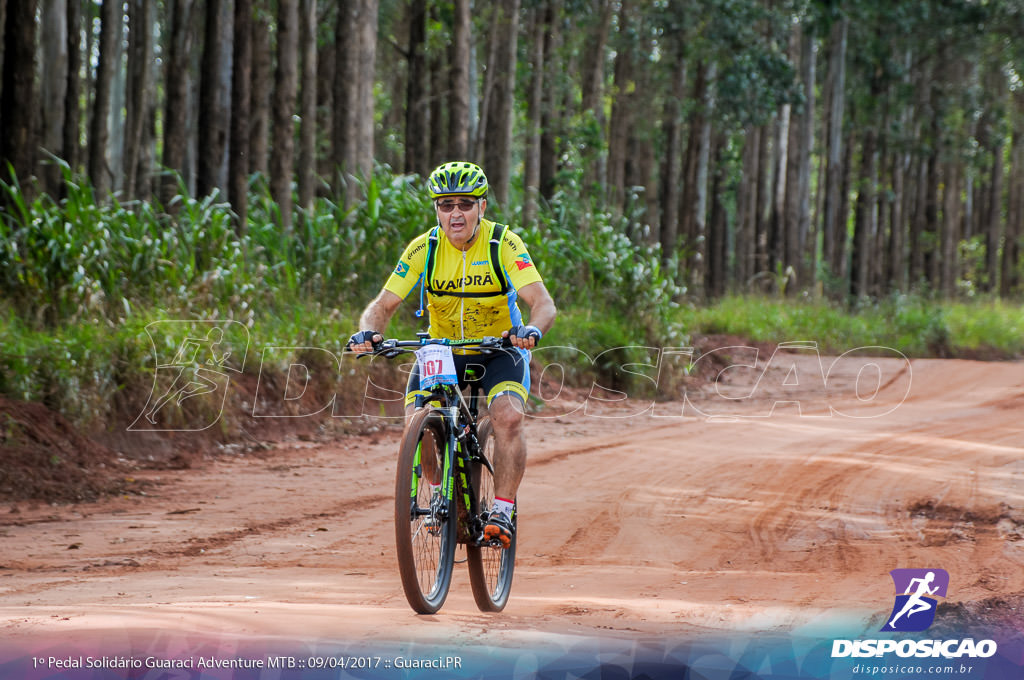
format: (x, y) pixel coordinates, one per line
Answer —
(459, 217)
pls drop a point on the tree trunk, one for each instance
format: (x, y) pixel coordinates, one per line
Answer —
(3, 25)
(902, 193)
(700, 207)
(849, 148)
(917, 270)
(241, 107)
(949, 235)
(345, 89)
(282, 154)
(1009, 282)
(17, 109)
(54, 83)
(178, 50)
(72, 101)
(367, 70)
(746, 208)
(115, 123)
(672, 163)
(866, 215)
(718, 236)
(592, 91)
(691, 159)
(931, 207)
(437, 141)
(262, 88)
(417, 103)
(498, 149)
(459, 83)
(307, 145)
(490, 75)
(833, 223)
(325, 62)
(895, 258)
(214, 103)
(535, 97)
(763, 173)
(993, 221)
(111, 24)
(353, 90)
(141, 15)
(908, 201)
(798, 181)
(620, 129)
(777, 229)
(552, 110)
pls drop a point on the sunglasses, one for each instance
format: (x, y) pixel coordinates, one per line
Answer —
(464, 205)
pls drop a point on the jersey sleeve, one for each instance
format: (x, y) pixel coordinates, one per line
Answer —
(516, 260)
(409, 268)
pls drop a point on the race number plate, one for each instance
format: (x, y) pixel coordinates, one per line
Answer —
(437, 367)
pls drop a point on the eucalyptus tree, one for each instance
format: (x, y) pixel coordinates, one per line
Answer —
(177, 52)
(214, 97)
(111, 27)
(494, 145)
(17, 110)
(54, 81)
(239, 143)
(282, 153)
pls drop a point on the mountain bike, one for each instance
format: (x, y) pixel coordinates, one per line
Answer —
(446, 446)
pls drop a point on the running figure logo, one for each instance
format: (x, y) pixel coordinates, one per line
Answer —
(916, 590)
(191, 361)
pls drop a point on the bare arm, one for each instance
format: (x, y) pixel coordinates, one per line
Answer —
(376, 317)
(542, 311)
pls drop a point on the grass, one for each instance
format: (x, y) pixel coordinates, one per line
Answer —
(913, 325)
(81, 281)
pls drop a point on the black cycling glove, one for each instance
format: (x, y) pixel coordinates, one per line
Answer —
(525, 332)
(364, 336)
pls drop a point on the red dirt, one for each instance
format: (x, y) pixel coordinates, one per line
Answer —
(730, 512)
(43, 457)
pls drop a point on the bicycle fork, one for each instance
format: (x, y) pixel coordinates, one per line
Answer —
(437, 514)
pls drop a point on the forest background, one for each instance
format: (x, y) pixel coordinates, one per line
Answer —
(845, 172)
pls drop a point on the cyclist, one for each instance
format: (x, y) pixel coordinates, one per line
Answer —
(469, 258)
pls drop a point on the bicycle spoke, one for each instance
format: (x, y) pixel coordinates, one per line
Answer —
(490, 567)
(424, 533)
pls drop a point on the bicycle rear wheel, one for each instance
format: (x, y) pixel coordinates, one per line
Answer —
(424, 535)
(490, 567)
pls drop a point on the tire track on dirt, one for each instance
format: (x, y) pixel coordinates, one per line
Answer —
(200, 545)
(641, 526)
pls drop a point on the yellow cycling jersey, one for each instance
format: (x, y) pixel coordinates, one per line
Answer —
(464, 298)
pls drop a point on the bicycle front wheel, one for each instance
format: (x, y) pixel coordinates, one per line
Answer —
(490, 567)
(424, 526)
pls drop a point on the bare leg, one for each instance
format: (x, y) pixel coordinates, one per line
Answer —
(509, 445)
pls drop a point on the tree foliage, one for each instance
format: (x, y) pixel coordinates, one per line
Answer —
(845, 148)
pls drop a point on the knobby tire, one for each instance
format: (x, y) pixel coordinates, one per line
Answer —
(425, 555)
(490, 568)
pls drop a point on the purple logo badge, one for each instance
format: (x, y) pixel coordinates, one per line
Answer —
(916, 593)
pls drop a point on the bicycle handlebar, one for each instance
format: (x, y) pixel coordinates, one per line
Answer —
(394, 347)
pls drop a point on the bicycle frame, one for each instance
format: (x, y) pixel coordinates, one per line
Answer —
(459, 418)
(428, 526)
(460, 424)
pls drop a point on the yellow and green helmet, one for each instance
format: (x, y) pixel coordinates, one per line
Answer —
(457, 178)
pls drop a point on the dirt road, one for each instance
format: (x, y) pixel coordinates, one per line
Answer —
(730, 512)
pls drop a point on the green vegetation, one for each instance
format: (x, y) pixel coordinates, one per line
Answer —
(82, 280)
(914, 325)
